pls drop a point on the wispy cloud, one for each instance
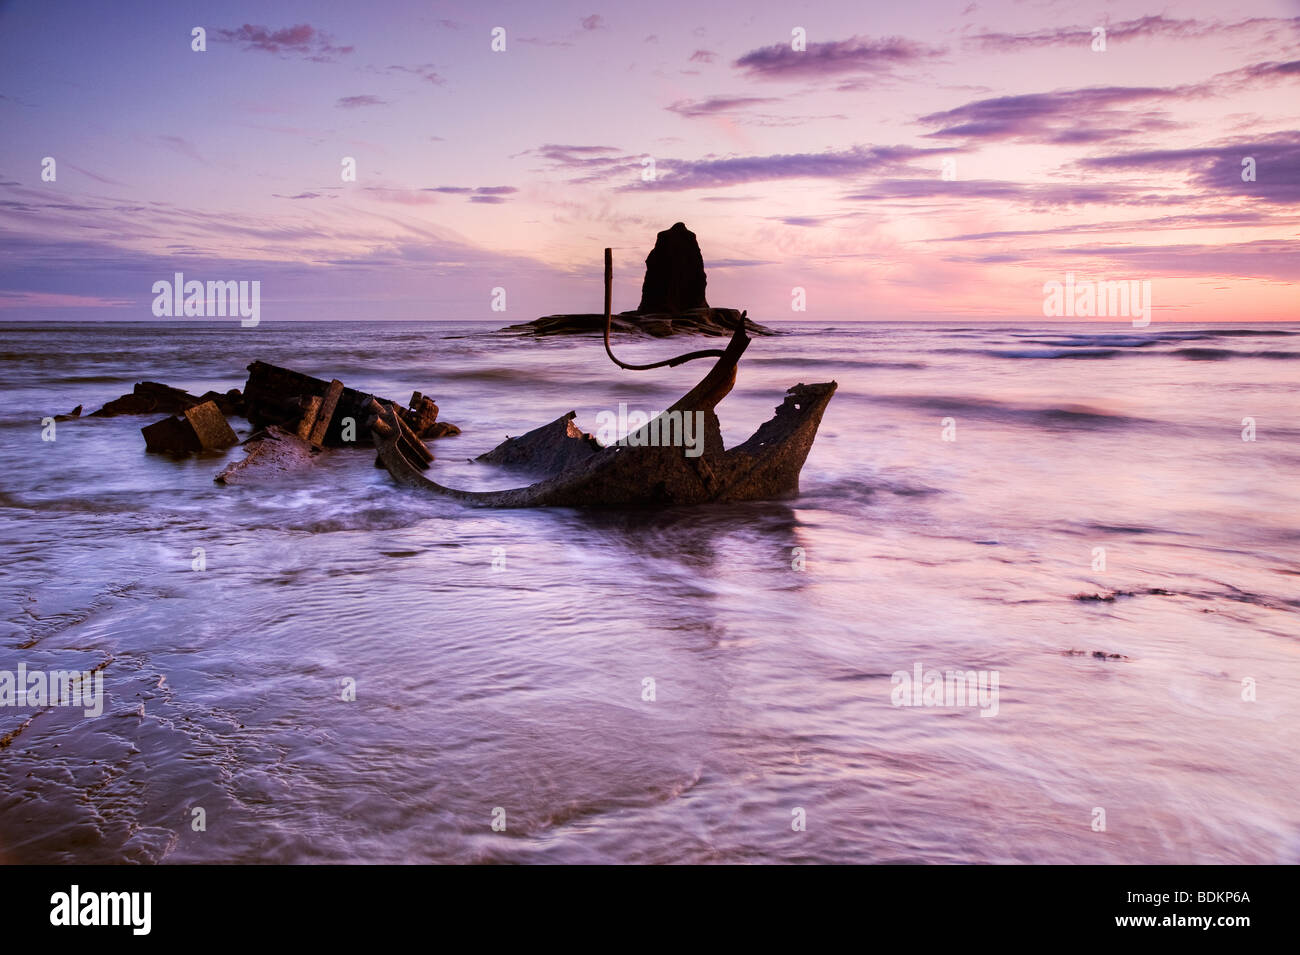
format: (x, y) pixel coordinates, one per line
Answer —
(1198, 220)
(595, 163)
(833, 58)
(484, 194)
(183, 146)
(1034, 195)
(94, 175)
(1078, 117)
(300, 40)
(678, 175)
(1146, 26)
(1276, 259)
(692, 109)
(425, 72)
(1218, 169)
(354, 102)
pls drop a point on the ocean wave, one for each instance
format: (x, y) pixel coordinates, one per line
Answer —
(1222, 354)
(1083, 353)
(801, 362)
(1080, 416)
(1081, 350)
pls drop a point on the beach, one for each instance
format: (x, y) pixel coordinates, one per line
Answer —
(1101, 517)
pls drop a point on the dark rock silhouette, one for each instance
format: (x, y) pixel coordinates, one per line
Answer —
(672, 300)
(674, 274)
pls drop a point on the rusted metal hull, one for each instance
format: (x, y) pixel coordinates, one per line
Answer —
(637, 472)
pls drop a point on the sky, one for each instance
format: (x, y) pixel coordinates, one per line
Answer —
(912, 161)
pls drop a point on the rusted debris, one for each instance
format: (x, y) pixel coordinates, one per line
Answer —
(549, 449)
(200, 428)
(643, 468)
(284, 397)
(152, 397)
(765, 467)
(439, 429)
(387, 421)
(310, 410)
(422, 413)
(325, 412)
(270, 454)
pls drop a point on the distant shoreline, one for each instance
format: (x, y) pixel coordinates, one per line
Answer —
(497, 323)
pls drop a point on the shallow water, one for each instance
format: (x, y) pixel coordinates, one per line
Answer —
(520, 686)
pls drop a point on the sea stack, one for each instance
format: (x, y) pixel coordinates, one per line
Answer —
(672, 300)
(674, 274)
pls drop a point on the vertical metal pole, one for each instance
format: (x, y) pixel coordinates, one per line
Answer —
(609, 282)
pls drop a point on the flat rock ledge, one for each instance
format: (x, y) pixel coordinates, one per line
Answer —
(715, 322)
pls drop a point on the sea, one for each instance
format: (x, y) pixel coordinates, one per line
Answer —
(1092, 528)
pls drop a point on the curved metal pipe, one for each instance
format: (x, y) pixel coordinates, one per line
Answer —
(669, 362)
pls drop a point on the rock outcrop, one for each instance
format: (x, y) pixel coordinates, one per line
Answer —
(672, 300)
(674, 274)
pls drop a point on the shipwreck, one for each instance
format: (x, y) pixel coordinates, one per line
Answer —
(676, 457)
(572, 469)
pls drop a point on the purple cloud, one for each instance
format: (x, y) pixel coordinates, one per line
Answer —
(679, 175)
(1233, 220)
(595, 162)
(302, 39)
(1042, 195)
(1277, 259)
(477, 194)
(593, 22)
(1219, 169)
(353, 102)
(692, 109)
(1147, 26)
(1063, 117)
(425, 72)
(854, 55)
(703, 56)
(182, 146)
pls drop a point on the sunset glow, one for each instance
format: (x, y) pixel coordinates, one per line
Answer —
(820, 168)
